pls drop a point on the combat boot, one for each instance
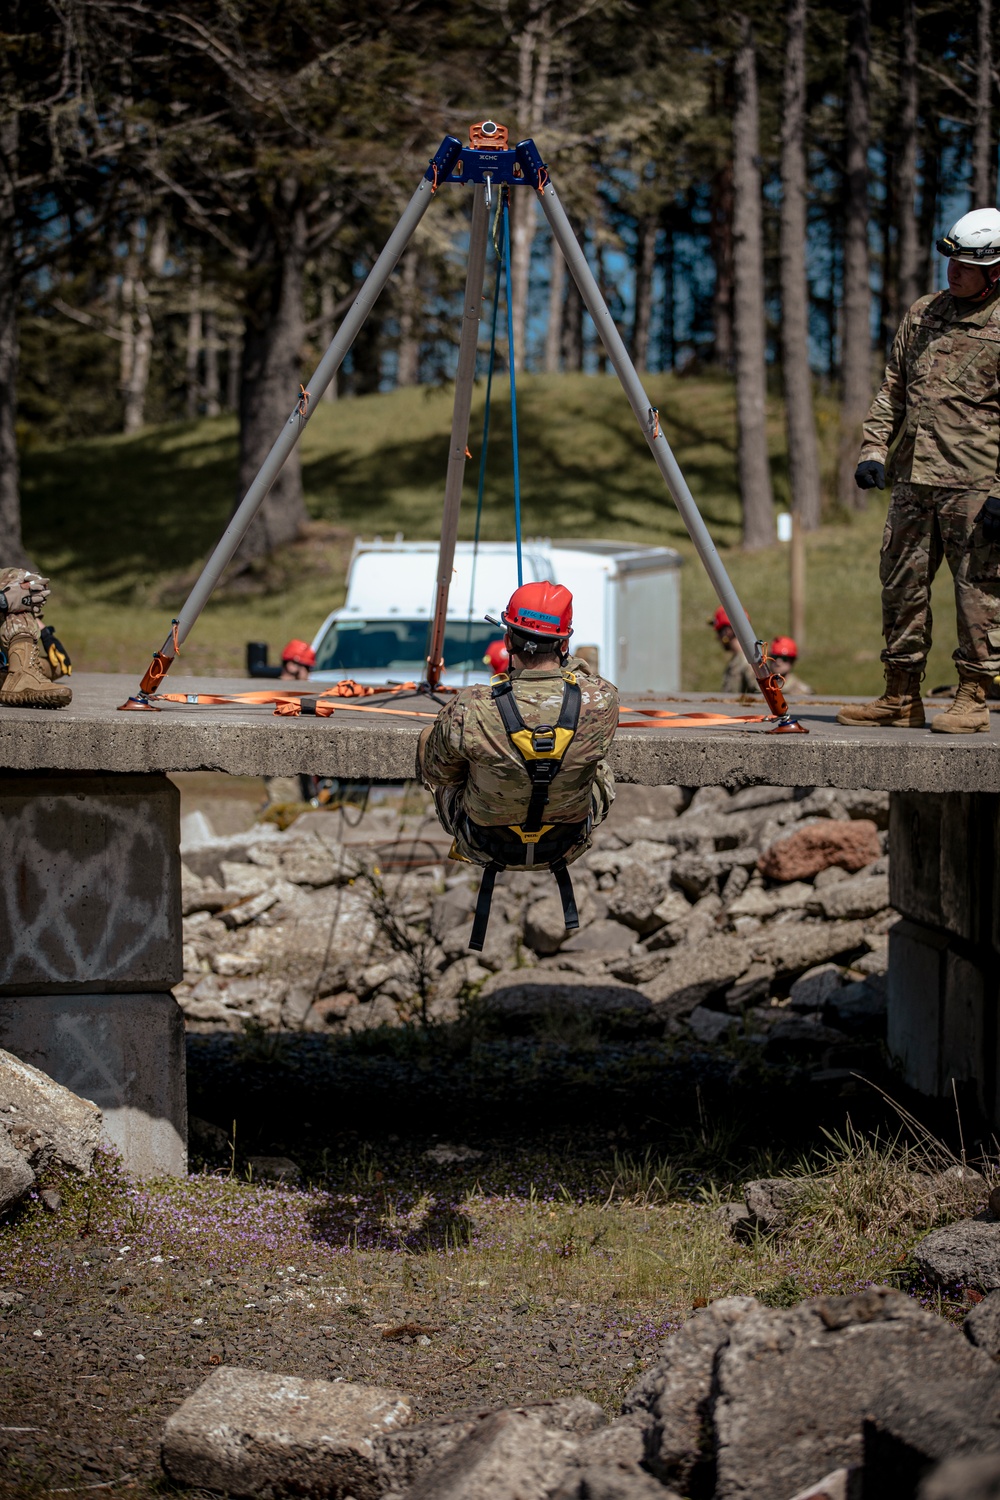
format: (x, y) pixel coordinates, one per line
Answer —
(967, 713)
(900, 706)
(26, 683)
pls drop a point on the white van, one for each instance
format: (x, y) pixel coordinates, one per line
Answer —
(626, 610)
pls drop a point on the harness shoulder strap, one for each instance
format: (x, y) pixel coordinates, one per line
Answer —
(541, 749)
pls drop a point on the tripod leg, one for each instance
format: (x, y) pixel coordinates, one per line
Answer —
(464, 381)
(290, 434)
(666, 462)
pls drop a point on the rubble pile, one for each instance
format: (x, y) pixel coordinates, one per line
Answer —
(700, 911)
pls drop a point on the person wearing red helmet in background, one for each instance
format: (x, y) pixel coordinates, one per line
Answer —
(297, 661)
(784, 654)
(739, 676)
(517, 766)
(497, 657)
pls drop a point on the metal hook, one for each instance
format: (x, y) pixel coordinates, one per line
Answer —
(488, 180)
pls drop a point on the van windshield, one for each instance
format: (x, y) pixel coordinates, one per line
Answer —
(400, 646)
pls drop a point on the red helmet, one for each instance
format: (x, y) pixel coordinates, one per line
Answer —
(542, 610)
(497, 657)
(784, 646)
(301, 653)
(720, 620)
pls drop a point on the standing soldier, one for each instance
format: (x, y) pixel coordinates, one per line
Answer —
(940, 403)
(518, 767)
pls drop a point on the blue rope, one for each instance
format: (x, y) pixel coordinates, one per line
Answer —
(513, 390)
(482, 455)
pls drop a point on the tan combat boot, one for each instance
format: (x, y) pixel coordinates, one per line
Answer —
(900, 706)
(967, 713)
(26, 683)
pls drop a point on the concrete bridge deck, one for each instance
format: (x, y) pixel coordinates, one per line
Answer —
(91, 735)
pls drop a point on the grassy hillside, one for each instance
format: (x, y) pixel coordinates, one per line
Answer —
(122, 524)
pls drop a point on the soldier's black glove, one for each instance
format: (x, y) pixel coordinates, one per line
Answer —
(989, 519)
(870, 475)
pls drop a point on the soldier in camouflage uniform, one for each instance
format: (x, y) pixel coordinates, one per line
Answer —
(940, 405)
(29, 665)
(478, 778)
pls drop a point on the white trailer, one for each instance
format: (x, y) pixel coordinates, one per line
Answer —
(626, 610)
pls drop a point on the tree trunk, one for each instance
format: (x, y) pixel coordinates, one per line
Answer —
(748, 304)
(213, 405)
(645, 261)
(12, 553)
(721, 239)
(930, 192)
(573, 328)
(803, 450)
(668, 340)
(192, 348)
(888, 300)
(553, 327)
(534, 59)
(327, 306)
(269, 385)
(906, 180)
(856, 346)
(408, 356)
(984, 150)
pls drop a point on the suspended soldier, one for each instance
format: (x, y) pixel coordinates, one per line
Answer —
(518, 767)
(31, 658)
(939, 403)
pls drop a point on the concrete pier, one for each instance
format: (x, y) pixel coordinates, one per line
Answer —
(90, 917)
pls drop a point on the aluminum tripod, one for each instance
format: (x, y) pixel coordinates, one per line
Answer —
(488, 165)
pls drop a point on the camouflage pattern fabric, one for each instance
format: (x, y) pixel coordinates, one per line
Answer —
(940, 398)
(22, 623)
(795, 687)
(475, 772)
(925, 525)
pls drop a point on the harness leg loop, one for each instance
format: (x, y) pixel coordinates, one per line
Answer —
(483, 904)
(567, 895)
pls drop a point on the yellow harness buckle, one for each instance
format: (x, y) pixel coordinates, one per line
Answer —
(530, 838)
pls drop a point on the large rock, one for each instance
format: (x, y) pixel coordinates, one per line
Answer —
(16, 1177)
(47, 1123)
(774, 1203)
(861, 897)
(963, 1254)
(813, 989)
(604, 937)
(916, 1421)
(797, 856)
(615, 1479)
(792, 1387)
(982, 1325)
(803, 945)
(695, 973)
(510, 1455)
(521, 999)
(248, 1433)
(410, 1455)
(545, 925)
(675, 1394)
(964, 1479)
(636, 896)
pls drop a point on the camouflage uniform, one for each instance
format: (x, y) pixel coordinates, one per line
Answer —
(22, 623)
(940, 403)
(477, 776)
(739, 676)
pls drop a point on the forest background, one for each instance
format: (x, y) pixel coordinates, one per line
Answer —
(190, 193)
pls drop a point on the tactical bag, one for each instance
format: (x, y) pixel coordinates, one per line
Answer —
(533, 842)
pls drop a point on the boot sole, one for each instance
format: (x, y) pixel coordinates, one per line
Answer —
(31, 700)
(938, 728)
(883, 723)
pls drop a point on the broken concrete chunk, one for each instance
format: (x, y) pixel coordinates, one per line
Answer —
(982, 1325)
(963, 1254)
(521, 999)
(46, 1122)
(792, 1387)
(16, 1177)
(509, 1455)
(861, 897)
(614, 1479)
(915, 1421)
(964, 1479)
(248, 1433)
(816, 987)
(852, 844)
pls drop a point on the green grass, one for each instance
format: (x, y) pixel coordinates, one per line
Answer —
(122, 524)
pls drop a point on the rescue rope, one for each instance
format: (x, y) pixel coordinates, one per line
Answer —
(481, 491)
(513, 389)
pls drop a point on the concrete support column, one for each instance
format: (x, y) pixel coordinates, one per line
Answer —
(90, 945)
(944, 959)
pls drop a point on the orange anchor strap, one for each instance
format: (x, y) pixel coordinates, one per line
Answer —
(662, 718)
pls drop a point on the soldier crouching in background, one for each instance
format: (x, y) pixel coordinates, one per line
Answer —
(32, 660)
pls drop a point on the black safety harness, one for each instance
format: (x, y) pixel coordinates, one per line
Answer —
(542, 751)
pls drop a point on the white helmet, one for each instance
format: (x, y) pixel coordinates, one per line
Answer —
(974, 238)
